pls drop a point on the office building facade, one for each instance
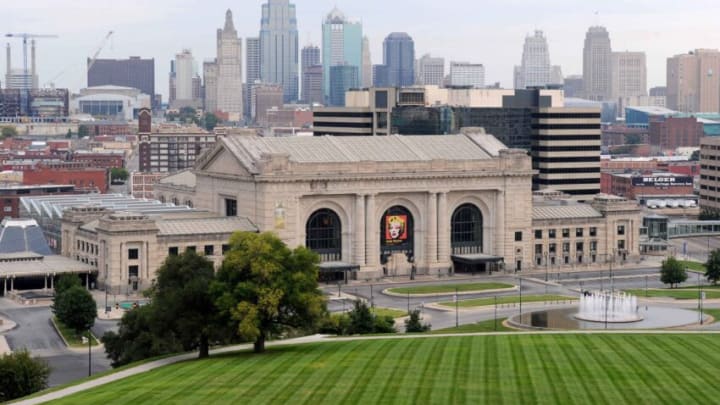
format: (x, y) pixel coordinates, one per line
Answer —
(629, 75)
(342, 79)
(252, 71)
(367, 68)
(535, 69)
(465, 74)
(693, 84)
(399, 60)
(229, 71)
(133, 72)
(430, 71)
(342, 45)
(309, 57)
(597, 61)
(279, 47)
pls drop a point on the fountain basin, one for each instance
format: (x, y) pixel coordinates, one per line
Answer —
(608, 307)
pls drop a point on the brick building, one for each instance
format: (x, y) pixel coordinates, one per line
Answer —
(84, 180)
(636, 185)
(674, 132)
(106, 160)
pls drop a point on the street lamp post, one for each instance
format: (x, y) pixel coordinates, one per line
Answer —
(607, 304)
(89, 353)
(546, 265)
(457, 317)
(700, 298)
(372, 299)
(520, 291)
(495, 316)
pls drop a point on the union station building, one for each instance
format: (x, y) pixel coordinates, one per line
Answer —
(389, 206)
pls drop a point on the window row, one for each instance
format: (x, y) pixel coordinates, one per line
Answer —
(565, 232)
(208, 250)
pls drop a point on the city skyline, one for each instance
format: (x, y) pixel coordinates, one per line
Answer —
(661, 29)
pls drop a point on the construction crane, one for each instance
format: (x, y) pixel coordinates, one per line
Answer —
(26, 85)
(91, 62)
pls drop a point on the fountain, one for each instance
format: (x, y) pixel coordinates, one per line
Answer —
(606, 306)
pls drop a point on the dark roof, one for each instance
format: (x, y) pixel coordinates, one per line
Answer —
(22, 235)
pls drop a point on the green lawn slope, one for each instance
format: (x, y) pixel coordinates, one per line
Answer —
(527, 369)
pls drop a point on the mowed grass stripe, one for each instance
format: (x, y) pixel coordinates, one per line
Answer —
(575, 378)
(206, 389)
(619, 370)
(326, 376)
(709, 358)
(636, 384)
(598, 360)
(366, 366)
(236, 375)
(440, 364)
(272, 368)
(420, 362)
(520, 366)
(683, 366)
(396, 364)
(552, 373)
(457, 382)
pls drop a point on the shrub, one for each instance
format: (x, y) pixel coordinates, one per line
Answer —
(21, 375)
(414, 323)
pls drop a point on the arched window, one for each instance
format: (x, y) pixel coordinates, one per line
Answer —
(467, 229)
(323, 235)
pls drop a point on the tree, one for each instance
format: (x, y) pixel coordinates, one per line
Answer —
(21, 375)
(118, 174)
(65, 282)
(8, 132)
(139, 337)
(632, 139)
(712, 267)
(69, 134)
(211, 121)
(414, 323)
(83, 131)
(361, 319)
(76, 308)
(695, 156)
(183, 301)
(263, 288)
(672, 272)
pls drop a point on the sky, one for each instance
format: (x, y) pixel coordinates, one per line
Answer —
(479, 31)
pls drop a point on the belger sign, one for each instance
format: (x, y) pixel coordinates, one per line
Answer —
(662, 181)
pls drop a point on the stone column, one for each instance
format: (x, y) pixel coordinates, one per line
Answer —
(5, 287)
(52, 282)
(360, 222)
(372, 244)
(499, 235)
(12, 283)
(431, 222)
(45, 287)
(443, 228)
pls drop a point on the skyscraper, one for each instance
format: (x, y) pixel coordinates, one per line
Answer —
(342, 45)
(133, 72)
(628, 74)
(279, 47)
(399, 57)
(342, 78)
(366, 71)
(467, 74)
(210, 85)
(309, 56)
(252, 70)
(313, 85)
(430, 71)
(184, 73)
(229, 70)
(597, 59)
(535, 68)
(693, 84)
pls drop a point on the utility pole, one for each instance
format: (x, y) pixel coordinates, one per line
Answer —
(495, 316)
(89, 353)
(520, 291)
(457, 318)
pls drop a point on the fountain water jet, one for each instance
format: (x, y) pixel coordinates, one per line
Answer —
(606, 306)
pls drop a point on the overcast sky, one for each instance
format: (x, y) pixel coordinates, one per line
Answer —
(488, 32)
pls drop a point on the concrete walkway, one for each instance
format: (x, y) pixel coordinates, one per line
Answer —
(310, 339)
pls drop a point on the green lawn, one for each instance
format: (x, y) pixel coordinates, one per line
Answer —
(449, 288)
(714, 312)
(73, 339)
(677, 293)
(693, 266)
(510, 369)
(507, 299)
(395, 313)
(482, 326)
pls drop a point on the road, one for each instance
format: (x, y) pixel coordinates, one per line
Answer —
(35, 333)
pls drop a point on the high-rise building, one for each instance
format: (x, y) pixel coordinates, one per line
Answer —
(693, 83)
(430, 71)
(399, 57)
(309, 57)
(367, 69)
(597, 60)
(264, 97)
(566, 150)
(313, 85)
(467, 74)
(535, 69)
(252, 71)
(210, 79)
(573, 86)
(381, 76)
(342, 45)
(629, 75)
(229, 71)
(342, 78)
(133, 72)
(184, 72)
(279, 47)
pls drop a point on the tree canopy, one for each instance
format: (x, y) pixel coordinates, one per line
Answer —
(8, 132)
(21, 375)
(263, 288)
(66, 281)
(672, 272)
(76, 308)
(712, 266)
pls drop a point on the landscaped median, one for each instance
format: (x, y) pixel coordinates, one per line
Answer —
(447, 289)
(483, 302)
(72, 339)
(690, 293)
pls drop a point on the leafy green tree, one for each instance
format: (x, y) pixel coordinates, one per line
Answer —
(65, 282)
(263, 288)
(182, 300)
(672, 272)
(709, 215)
(118, 174)
(8, 132)
(76, 308)
(362, 320)
(139, 337)
(695, 156)
(69, 134)
(21, 375)
(712, 267)
(83, 131)
(211, 121)
(414, 323)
